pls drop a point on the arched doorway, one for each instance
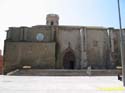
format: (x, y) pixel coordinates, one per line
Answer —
(69, 59)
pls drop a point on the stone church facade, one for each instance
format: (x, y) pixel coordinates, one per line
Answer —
(53, 46)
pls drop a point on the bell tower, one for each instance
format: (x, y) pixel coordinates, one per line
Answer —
(52, 20)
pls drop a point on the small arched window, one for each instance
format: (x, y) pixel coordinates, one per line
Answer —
(52, 23)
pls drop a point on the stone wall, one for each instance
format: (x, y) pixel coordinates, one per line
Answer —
(100, 47)
(29, 33)
(97, 47)
(1, 62)
(67, 37)
(36, 55)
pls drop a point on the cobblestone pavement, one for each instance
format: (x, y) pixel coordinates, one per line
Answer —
(59, 84)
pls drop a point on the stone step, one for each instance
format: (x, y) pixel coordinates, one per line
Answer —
(63, 72)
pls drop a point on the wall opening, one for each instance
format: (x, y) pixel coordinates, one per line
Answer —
(52, 23)
(69, 60)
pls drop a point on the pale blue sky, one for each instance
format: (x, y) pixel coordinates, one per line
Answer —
(71, 12)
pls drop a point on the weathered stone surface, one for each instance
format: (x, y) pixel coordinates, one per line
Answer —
(64, 72)
(37, 55)
(46, 46)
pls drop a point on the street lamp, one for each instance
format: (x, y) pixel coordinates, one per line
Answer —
(121, 45)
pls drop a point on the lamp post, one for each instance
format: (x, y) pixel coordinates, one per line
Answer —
(121, 45)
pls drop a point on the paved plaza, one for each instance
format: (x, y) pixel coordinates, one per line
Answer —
(60, 84)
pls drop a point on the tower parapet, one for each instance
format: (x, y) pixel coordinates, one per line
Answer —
(52, 20)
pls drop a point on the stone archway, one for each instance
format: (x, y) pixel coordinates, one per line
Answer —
(69, 59)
